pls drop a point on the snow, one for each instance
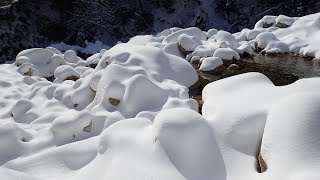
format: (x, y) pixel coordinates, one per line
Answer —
(190, 144)
(65, 71)
(125, 112)
(226, 54)
(192, 31)
(90, 48)
(210, 63)
(245, 108)
(301, 37)
(187, 42)
(284, 21)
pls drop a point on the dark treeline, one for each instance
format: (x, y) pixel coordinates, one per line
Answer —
(37, 23)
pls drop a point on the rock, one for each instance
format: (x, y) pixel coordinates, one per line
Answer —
(93, 66)
(262, 166)
(88, 128)
(72, 78)
(281, 25)
(183, 51)
(284, 21)
(196, 88)
(216, 71)
(114, 101)
(211, 64)
(226, 73)
(187, 43)
(195, 60)
(227, 62)
(267, 25)
(233, 67)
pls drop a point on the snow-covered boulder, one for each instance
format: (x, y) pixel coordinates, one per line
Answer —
(43, 62)
(233, 67)
(192, 31)
(173, 49)
(212, 32)
(284, 21)
(266, 22)
(245, 49)
(187, 43)
(300, 35)
(76, 126)
(246, 108)
(71, 57)
(213, 64)
(263, 39)
(227, 55)
(224, 36)
(295, 149)
(66, 72)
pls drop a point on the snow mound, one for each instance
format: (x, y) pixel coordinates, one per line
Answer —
(246, 108)
(189, 143)
(293, 149)
(43, 62)
(65, 72)
(192, 31)
(296, 35)
(224, 36)
(125, 112)
(284, 21)
(187, 43)
(59, 126)
(226, 54)
(90, 47)
(210, 63)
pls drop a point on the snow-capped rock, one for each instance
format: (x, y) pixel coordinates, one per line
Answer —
(211, 64)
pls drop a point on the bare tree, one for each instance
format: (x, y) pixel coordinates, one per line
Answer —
(105, 14)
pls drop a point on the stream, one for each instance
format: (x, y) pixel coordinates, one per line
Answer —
(280, 69)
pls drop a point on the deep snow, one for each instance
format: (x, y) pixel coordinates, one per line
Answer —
(125, 112)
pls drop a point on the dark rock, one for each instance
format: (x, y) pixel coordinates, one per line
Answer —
(262, 166)
(281, 25)
(267, 25)
(72, 78)
(226, 73)
(88, 128)
(216, 71)
(233, 67)
(114, 101)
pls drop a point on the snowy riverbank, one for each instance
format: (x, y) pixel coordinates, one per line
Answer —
(126, 113)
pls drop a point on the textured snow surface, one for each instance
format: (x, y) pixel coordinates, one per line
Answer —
(210, 63)
(246, 108)
(125, 112)
(301, 36)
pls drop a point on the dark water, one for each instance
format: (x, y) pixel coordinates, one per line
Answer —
(280, 69)
(289, 64)
(283, 69)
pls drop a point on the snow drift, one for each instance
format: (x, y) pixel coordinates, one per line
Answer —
(125, 112)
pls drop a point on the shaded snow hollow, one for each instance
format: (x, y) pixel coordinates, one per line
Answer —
(125, 113)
